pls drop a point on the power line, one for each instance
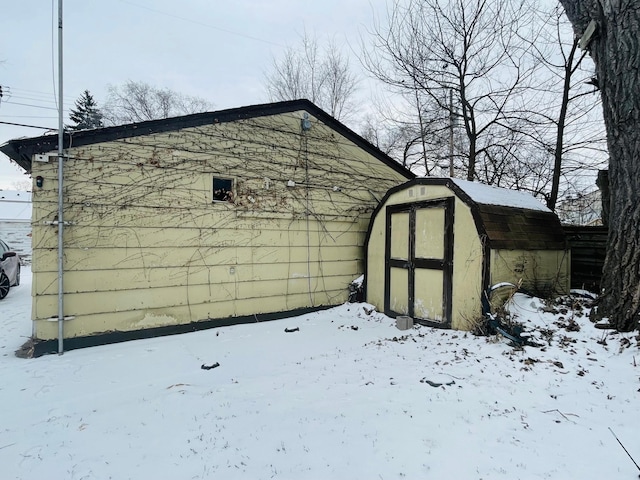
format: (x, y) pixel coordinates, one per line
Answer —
(29, 105)
(25, 125)
(53, 76)
(26, 116)
(49, 96)
(16, 96)
(184, 19)
(30, 98)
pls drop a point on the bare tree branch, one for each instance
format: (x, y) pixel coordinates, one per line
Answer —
(322, 76)
(138, 101)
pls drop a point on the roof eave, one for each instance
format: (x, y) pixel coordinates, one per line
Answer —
(21, 150)
(11, 150)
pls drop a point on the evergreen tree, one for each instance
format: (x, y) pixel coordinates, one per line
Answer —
(86, 113)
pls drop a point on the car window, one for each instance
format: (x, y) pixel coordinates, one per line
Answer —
(3, 247)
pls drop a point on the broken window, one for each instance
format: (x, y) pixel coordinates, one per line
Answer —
(222, 190)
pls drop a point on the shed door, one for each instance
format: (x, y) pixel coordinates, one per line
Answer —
(419, 261)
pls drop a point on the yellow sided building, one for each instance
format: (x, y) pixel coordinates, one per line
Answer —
(173, 225)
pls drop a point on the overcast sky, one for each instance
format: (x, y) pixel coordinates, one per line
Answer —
(212, 49)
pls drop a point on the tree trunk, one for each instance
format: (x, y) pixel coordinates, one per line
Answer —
(615, 48)
(562, 120)
(603, 185)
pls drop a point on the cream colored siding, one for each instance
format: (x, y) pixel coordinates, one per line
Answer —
(538, 270)
(467, 269)
(146, 245)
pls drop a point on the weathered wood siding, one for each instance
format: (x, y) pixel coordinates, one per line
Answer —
(588, 250)
(148, 247)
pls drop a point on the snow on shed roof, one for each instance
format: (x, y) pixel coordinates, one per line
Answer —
(15, 206)
(489, 195)
(509, 219)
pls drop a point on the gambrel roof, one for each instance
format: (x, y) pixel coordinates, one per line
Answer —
(508, 219)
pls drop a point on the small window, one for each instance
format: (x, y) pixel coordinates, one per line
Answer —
(222, 190)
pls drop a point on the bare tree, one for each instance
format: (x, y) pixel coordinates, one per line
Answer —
(138, 101)
(610, 31)
(322, 76)
(462, 59)
(411, 133)
(562, 114)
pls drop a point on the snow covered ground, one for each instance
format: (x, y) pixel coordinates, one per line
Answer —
(347, 396)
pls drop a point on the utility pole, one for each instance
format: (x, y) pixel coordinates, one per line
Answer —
(451, 121)
(60, 185)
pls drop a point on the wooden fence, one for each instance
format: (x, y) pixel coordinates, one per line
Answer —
(588, 249)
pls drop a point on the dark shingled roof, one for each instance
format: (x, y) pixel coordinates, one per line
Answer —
(21, 150)
(515, 228)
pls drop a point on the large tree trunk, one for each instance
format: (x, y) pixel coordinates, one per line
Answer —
(615, 49)
(603, 185)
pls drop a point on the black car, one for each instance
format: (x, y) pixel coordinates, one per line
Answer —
(9, 269)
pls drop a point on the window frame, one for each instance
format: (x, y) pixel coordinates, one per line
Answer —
(228, 195)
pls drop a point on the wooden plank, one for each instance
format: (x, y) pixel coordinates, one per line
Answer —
(588, 251)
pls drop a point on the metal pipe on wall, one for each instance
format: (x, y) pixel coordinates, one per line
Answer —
(60, 190)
